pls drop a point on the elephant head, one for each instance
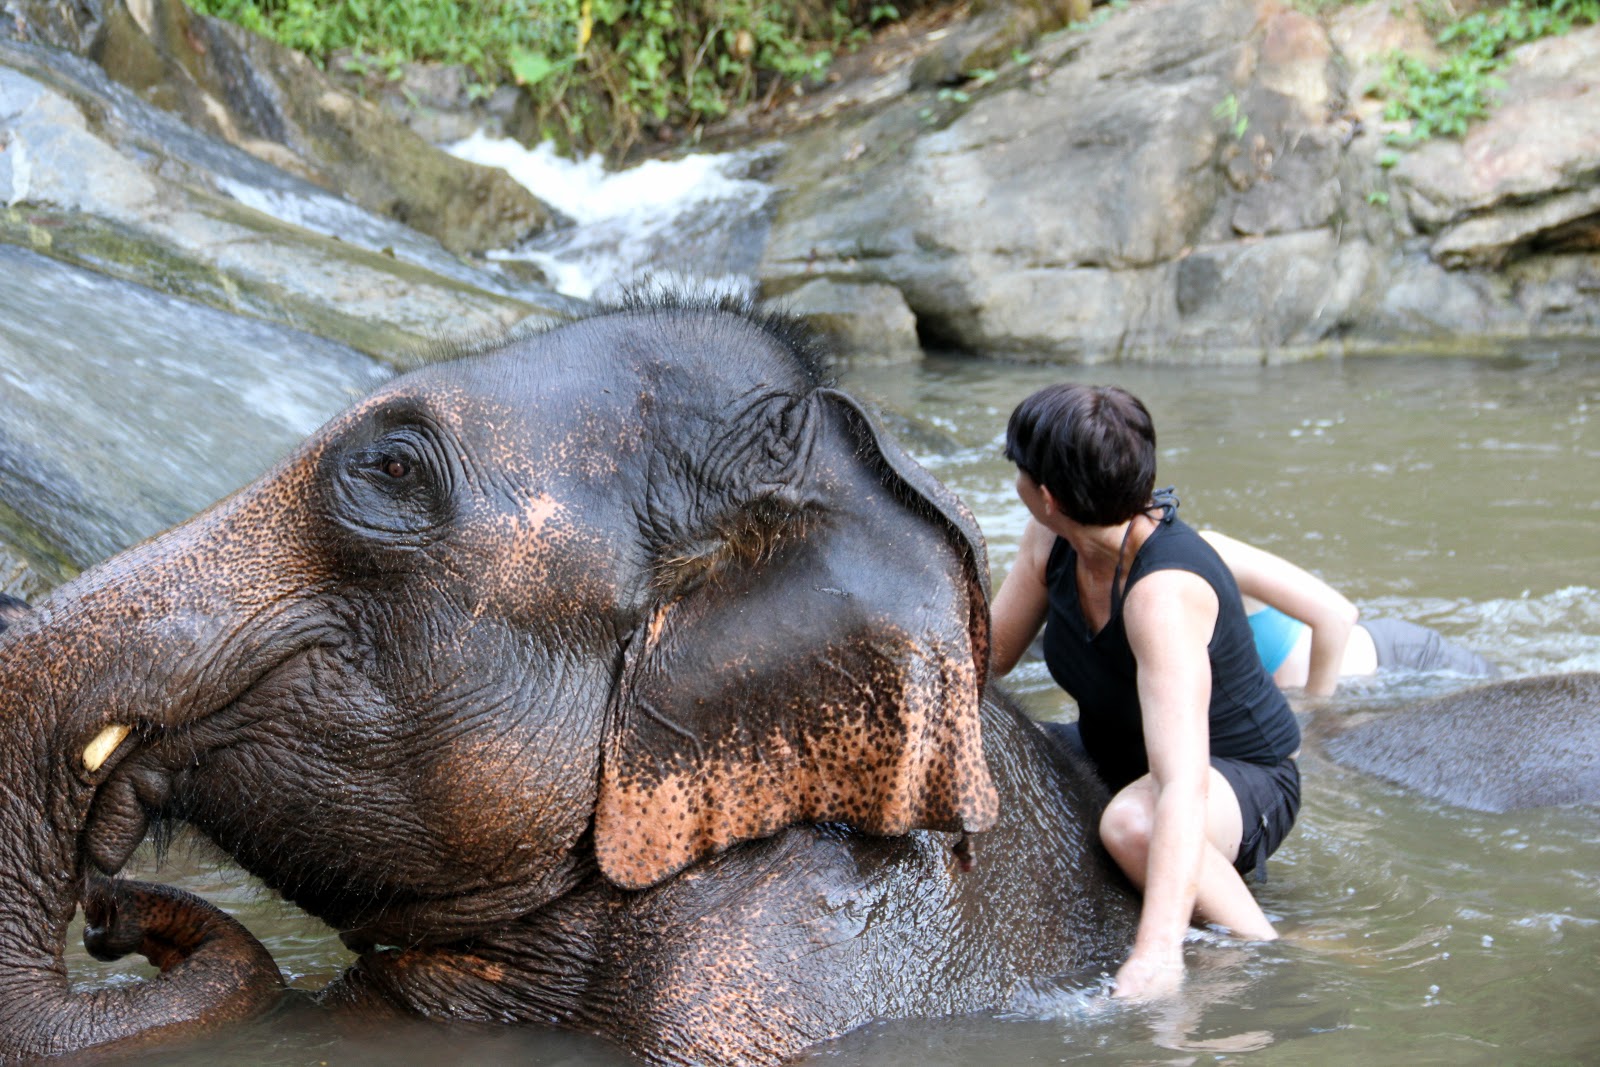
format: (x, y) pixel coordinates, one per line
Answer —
(613, 597)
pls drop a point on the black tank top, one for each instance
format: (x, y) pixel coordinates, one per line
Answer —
(1250, 719)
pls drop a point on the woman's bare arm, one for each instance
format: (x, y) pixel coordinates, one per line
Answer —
(1170, 617)
(1298, 593)
(1019, 607)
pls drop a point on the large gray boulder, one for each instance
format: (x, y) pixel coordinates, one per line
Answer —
(1061, 213)
(1205, 179)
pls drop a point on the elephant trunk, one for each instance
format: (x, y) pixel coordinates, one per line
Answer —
(126, 652)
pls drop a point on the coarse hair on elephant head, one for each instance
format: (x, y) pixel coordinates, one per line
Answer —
(614, 596)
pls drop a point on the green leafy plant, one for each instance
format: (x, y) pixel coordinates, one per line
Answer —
(1444, 101)
(1232, 112)
(599, 72)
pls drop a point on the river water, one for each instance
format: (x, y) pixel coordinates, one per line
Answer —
(1452, 492)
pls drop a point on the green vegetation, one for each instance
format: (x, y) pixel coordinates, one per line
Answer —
(600, 72)
(1443, 101)
(1231, 111)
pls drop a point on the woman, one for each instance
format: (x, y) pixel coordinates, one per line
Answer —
(1145, 628)
(1308, 635)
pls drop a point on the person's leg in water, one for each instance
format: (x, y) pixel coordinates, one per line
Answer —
(1402, 645)
(1127, 827)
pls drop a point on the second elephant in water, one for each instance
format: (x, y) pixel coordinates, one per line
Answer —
(624, 677)
(1520, 743)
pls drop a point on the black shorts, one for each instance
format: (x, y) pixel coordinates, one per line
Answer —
(1269, 796)
(1269, 801)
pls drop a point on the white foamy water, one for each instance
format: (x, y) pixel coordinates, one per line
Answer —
(684, 221)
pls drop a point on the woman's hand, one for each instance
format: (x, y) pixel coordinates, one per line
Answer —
(1149, 975)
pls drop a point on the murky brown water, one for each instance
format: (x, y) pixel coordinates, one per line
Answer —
(1457, 493)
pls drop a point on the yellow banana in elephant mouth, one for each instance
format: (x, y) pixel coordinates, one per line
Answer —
(106, 742)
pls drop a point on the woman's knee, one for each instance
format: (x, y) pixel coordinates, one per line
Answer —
(1126, 827)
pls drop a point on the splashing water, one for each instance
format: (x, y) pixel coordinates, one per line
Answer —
(698, 222)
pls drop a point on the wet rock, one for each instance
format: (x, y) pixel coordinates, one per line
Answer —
(278, 105)
(92, 175)
(127, 410)
(868, 324)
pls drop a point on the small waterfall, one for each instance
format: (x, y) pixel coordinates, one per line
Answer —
(124, 410)
(699, 221)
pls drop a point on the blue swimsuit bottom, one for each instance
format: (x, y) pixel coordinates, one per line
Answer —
(1275, 635)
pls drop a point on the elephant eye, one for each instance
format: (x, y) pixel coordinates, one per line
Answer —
(393, 490)
(387, 465)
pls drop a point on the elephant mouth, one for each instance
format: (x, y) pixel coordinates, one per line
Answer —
(132, 790)
(136, 765)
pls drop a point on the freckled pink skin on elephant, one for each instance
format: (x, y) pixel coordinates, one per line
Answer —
(624, 677)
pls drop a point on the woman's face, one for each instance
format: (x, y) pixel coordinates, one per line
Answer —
(1032, 495)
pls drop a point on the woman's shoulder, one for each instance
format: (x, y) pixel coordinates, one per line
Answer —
(1174, 542)
(1177, 546)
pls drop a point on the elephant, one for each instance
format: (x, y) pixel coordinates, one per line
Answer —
(1496, 747)
(624, 676)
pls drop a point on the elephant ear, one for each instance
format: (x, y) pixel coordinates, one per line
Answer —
(923, 493)
(829, 668)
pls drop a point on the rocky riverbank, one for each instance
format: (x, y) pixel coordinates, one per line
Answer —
(1166, 180)
(1201, 180)
(1178, 180)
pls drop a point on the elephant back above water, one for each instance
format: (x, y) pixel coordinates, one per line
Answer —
(1520, 743)
(624, 676)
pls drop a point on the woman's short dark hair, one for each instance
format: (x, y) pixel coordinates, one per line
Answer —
(1093, 447)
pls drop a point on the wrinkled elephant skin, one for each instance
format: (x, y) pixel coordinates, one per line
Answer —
(1520, 743)
(623, 676)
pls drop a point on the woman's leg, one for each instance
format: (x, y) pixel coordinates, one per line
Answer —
(1406, 645)
(1221, 895)
(1360, 654)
